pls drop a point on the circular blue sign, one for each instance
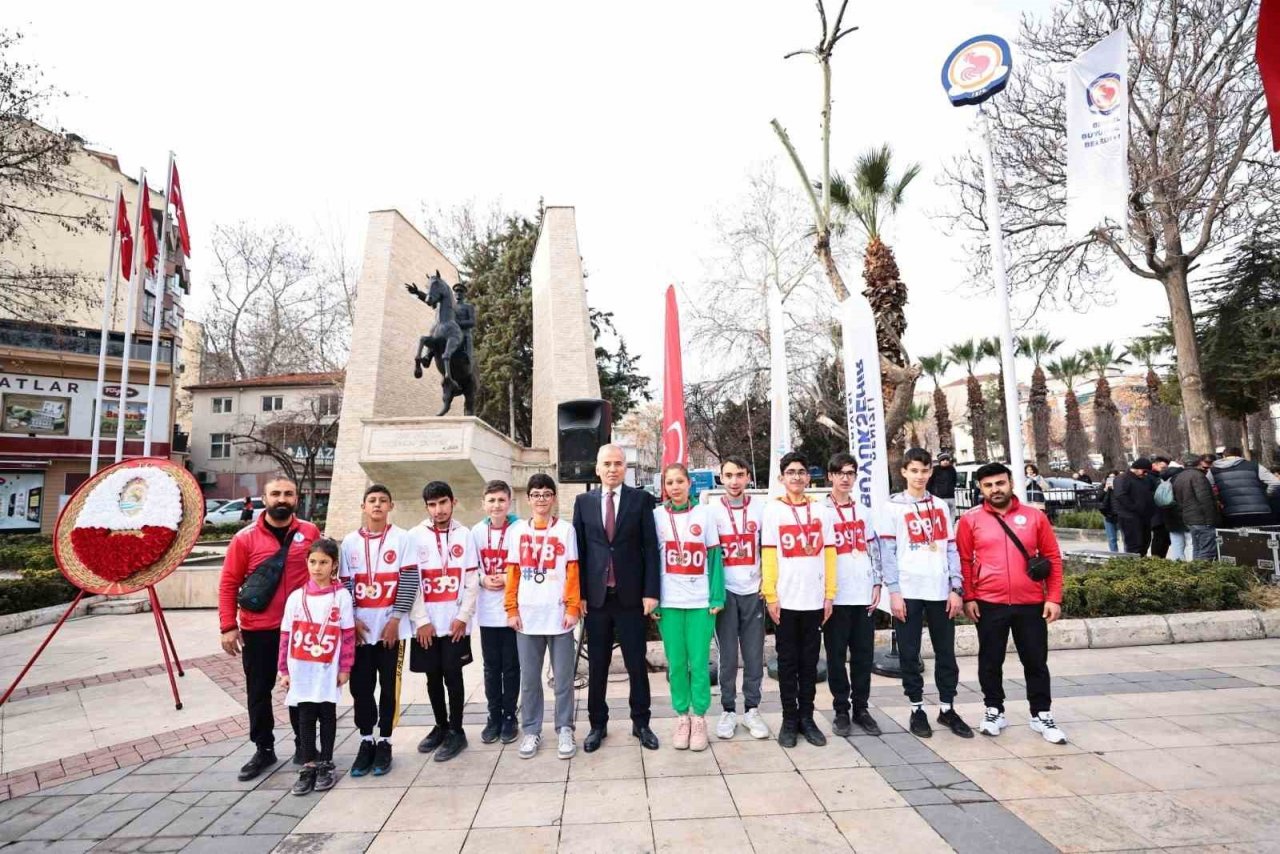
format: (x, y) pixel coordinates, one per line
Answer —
(976, 70)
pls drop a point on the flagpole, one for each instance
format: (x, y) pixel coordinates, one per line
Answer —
(157, 314)
(108, 296)
(1013, 415)
(143, 209)
(779, 402)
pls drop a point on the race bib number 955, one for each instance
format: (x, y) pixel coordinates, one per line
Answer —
(800, 541)
(441, 585)
(307, 643)
(685, 558)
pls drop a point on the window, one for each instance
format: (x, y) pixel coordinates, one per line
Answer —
(272, 403)
(328, 404)
(219, 446)
(221, 405)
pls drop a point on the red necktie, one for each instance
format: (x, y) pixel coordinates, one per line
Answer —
(610, 521)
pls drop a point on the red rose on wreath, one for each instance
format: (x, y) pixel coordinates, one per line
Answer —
(128, 522)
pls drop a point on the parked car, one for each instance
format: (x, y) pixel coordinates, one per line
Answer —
(211, 504)
(229, 513)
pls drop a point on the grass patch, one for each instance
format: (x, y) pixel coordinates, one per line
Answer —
(1087, 519)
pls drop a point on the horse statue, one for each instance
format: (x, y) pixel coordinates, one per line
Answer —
(444, 346)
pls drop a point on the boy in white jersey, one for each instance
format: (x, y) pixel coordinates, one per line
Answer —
(497, 639)
(740, 626)
(379, 573)
(851, 631)
(543, 606)
(443, 609)
(798, 577)
(921, 569)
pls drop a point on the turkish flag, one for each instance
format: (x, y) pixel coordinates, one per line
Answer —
(1268, 54)
(181, 210)
(150, 251)
(126, 237)
(675, 445)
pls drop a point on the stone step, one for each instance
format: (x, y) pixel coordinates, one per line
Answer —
(119, 605)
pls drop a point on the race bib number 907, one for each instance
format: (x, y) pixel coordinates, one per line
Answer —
(378, 593)
(308, 643)
(685, 558)
(800, 540)
(441, 585)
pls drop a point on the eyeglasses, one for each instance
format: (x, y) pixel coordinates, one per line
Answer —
(844, 474)
(796, 473)
(541, 496)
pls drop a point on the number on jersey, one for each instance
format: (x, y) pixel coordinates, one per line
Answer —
(739, 549)
(685, 558)
(440, 585)
(379, 593)
(851, 536)
(925, 528)
(800, 540)
(307, 643)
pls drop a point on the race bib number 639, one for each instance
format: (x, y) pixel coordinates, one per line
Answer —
(441, 585)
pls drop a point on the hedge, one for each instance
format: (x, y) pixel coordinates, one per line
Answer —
(29, 593)
(1087, 519)
(220, 532)
(26, 554)
(1142, 585)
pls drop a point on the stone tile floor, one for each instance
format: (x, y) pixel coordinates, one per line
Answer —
(1172, 748)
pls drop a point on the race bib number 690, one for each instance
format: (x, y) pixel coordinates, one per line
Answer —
(685, 558)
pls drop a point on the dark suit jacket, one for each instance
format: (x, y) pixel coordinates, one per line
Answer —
(636, 563)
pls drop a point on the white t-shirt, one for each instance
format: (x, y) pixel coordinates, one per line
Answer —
(739, 529)
(855, 573)
(314, 626)
(444, 560)
(372, 562)
(684, 538)
(490, 544)
(800, 533)
(920, 533)
(543, 557)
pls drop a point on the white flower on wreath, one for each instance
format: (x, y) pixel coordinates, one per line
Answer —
(153, 501)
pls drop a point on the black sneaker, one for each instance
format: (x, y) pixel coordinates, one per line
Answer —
(492, 730)
(510, 730)
(863, 718)
(952, 721)
(297, 754)
(433, 740)
(306, 781)
(364, 759)
(787, 735)
(812, 734)
(841, 726)
(382, 758)
(324, 776)
(259, 762)
(454, 743)
(920, 724)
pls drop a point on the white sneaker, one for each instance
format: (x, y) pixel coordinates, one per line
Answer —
(992, 722)
(566, 747)
(1044, 724)
(755, 724)
(728, 725)
(529, 745)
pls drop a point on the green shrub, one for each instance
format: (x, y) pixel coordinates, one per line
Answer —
(27, 594)
(26, 554)
(220, 532)
(1088, 519)
(1141, 585)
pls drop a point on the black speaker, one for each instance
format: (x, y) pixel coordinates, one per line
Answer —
(582, 427)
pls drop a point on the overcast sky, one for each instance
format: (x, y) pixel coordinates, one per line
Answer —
(645, 117)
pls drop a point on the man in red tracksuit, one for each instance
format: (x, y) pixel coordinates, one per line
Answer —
(1001, 596)
(255, 636)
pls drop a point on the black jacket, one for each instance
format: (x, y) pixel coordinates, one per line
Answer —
(1135, 496)
(1242, 486)
(1194, 494)
(942, 483)
(636, 564)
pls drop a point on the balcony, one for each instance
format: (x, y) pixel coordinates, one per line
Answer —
(70, 339)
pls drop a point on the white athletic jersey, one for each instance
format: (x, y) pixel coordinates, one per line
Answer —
(542, 557)
(855, 572)
(800, 533)
(372, 562)
(919, 532)
(739, 529)
(684, 538)
(444, 560)
(314, 627)
(490, 544)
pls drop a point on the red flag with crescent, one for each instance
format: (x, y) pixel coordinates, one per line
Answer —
(1268, 55)
(181, 210)
(675, 445)
(126, 237)
(150, 250)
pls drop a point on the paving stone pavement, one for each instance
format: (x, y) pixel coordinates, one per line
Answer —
(1172, 748)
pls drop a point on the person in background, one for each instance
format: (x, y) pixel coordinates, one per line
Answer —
(1160, 538)
(1135, 504)
(246, 512)
(942, 481)
(1037, 486)
(1179, 542)
(1109, 521)
(1244, 488)
(1197, 508)
(1083, 476)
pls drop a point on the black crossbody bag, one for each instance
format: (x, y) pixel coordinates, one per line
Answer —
(259, 586)
(1037, 567)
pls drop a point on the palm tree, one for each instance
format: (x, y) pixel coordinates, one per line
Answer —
(990, 349)
(1166, 435)
(870, 199)
(935, 366)
(917, 414)
(1068, 370)
(967, 353)
(1037, 348)
(1106, 417)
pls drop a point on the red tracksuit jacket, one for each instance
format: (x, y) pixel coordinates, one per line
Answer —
(250, 546)
(993, 568)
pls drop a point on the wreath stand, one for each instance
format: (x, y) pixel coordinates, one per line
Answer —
(146, 578)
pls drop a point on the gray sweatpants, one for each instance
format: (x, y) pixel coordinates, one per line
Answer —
(531, 649)
(741, 625)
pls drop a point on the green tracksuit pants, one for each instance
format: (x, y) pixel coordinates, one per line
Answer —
(686, 638)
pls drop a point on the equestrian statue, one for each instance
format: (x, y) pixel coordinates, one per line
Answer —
(446, 346)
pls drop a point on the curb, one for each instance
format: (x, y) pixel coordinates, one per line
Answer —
(10, 623)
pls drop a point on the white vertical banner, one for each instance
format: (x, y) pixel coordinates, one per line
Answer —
(864, 404)
(779, 400)
(1097, 93)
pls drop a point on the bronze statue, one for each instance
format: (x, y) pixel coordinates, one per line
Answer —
(445, 345)
(466, 317)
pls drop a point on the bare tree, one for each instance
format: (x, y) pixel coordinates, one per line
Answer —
(1199, 171)
(300, 440)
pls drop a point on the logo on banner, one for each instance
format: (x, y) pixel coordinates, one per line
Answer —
(976, 70)
(1103, 94)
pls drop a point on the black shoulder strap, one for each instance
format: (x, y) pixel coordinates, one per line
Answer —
(1017, 542)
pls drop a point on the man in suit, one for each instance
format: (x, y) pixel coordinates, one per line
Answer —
(619, 572)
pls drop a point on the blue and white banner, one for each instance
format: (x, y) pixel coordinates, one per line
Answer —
(864, 404)
(1097, 91)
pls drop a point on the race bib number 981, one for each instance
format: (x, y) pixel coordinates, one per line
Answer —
(800, 540)
(927, 527)
(739, 549)
(307, 643)
(685, 558)
(441, 585)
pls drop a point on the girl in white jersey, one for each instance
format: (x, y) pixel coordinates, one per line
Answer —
(692, 595)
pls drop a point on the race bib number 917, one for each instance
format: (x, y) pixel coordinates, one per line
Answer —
(308, 643)
(378, 593)
(851, 536)
(739, 549)
(441, 585)
(685, 558)
(800, 540)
